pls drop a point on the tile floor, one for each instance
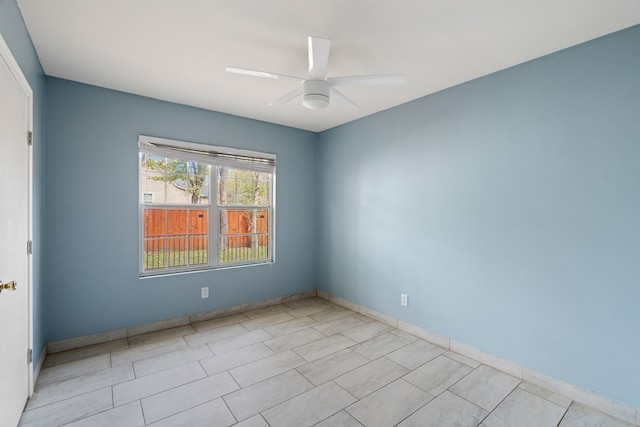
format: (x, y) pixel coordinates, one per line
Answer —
(303, 363)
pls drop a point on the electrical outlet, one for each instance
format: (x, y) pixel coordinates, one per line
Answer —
(404, 300)
(204, 292)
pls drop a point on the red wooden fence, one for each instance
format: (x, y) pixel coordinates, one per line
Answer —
(177, 227)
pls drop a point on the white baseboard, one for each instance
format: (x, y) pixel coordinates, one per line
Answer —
(610, 407)
(116, 334)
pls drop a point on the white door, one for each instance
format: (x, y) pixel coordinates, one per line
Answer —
(15, 106)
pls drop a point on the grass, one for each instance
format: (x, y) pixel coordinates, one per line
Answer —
(171, 259)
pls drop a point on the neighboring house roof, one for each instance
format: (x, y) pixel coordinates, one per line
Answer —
(184, 185)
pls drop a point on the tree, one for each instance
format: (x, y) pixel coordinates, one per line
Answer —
(192, 174)
(248, 188)
(222, 200)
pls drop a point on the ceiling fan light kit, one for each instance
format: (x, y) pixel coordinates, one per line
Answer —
(317, 90)
(315, 94)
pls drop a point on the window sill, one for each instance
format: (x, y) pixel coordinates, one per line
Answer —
(144, 276)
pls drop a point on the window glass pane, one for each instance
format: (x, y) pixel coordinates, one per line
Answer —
(243, 187)
(175, 238)
(155, 230)
(244, 235)
(173, 181)
(175, 193)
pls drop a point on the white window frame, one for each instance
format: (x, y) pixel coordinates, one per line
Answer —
(216, 156)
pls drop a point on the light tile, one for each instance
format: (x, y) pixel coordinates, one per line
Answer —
(367, 331)
(324, 347)
(546, 394)
(68, 410)
(160, 325)
(332, 366)
(407, 336)
(371, 377)
(219, 322)
(328, 316)
(84, 352)
(309, 408)
(79, 385)
(341, 419)
(389, 405)
(295, 339)
(488, 359)
(263, 321)
(187, 396)
(155, 383)
(129, 415)
(233, 359)
(266, 311)
(580, 415)
(290, 326)
(308, 310)
(224, 345)
(268, 367)
(215, 334)
(415, 354)
(446, 410)
(130, 355)
(170, 387)
(339, 325)
(432, 337)
(380, 345)
(524, 409)
(161, 335)
(256, 398)
(463, 359)
(593, 400)
(69, 370)
(158, 363)
(485, 387)
(437, 375)
(210, 414)
(256, 421)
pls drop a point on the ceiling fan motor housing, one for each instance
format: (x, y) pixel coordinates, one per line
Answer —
(315, 94)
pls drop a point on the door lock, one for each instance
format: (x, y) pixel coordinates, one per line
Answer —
(11, 286)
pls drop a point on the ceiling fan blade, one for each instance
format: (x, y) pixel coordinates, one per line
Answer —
(342, 99)
(254, 73)
(286, 97)
(383, 79)
(318, 57)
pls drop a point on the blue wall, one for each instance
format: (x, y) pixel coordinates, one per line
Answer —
(93, 217)
(16, 37)
(507, 208)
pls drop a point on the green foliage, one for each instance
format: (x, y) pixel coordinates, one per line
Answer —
(157, 260)
(194, 174)
(173, 258)
(244, 187)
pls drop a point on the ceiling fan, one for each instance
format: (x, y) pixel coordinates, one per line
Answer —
(317, 90)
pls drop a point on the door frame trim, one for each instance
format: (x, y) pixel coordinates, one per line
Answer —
(14, 68)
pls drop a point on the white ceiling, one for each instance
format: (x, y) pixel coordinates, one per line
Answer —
(177, 50)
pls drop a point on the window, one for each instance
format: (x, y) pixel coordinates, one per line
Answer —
(203, 206)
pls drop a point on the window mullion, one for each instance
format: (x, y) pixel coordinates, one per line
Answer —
(214, 220)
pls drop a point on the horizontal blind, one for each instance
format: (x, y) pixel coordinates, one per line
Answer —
(208, 154)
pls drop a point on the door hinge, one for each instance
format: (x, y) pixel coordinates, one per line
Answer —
(30, 356)
(30, 247)
(29, 137)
